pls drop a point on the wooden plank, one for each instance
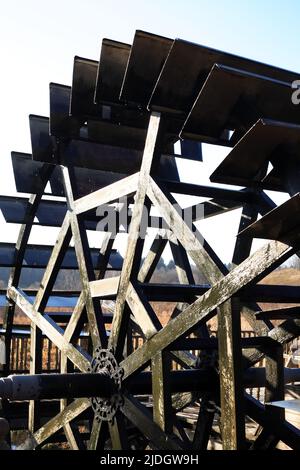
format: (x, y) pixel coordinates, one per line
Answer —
(202, 309)
(41, 299)
(105, 287)
(190, 238)
(143, 312)
(284, 333)
(274, 390)
(204, 425)
(53, 266)
(76, 314)
(179, 187)
(96, 433)
(212, 208)
(118, 433)
(182, 400)
(279, 314)
(20, 247)
(142, 419)
(55, 424)
(96, 322)
(243, 244)
(137, 214)
(105, 250)
(80, 358)
(231, 380)
(150, 262)
(162, 404)
(110, 193)
(285, 431)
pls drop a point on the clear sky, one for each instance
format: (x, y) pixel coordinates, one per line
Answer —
(39, 38)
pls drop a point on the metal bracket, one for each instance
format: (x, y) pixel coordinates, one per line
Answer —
(105, 362)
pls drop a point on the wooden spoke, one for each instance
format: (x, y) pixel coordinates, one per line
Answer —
(134, 226)
(75, 317)
(162, 405)
(117, 431)
(143, 313)
(204, 425)
(40, 303)
(142, 419)
(114, 191)
(150, 262)
(21, 243)
(96, 322)
(56, 334)
(97, 432)
(248, 271)
(69, 413)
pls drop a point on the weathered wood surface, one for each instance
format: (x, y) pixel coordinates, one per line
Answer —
(113, 192)
(56, 334)
(69, 413)
(96, 322)
(162, 405)
(248, 271)
(143, 182)
(225, 295)
(20, 248)
(142, 419)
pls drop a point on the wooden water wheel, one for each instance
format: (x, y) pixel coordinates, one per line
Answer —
(113, 154)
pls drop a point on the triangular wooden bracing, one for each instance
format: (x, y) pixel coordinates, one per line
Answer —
(102, 145)
(157, 348)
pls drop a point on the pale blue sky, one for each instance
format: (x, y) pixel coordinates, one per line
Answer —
(39, 38)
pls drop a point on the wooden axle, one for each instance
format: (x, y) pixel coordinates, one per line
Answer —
(50, 386)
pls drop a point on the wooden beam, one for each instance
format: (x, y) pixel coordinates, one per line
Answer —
(136, 220)
(117, 431)
(201, 310)
(142, 419)
(110, 193)
(243, 245)
(231, 379)
(149, 324)
(40, 302)
(105, 287)
(142, 312)
(182, 264)
(95, 321)
(212, 208)
(190, 238)
(162, 404)
(204, 425)
(55, 424)
(105, 251)
(150, 262)
(76, 314)
(79, 357)
(284, 333)
(58, 252)
(96, 432)
(284, 430)
(20, 248)
(274, 390)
